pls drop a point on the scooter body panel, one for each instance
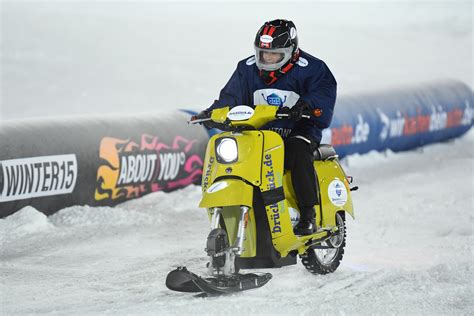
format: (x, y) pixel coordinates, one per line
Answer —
(227, 192)
(334, 191)
(247, 166)
(259, 167)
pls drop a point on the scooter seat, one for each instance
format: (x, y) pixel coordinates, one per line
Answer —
(324, 152)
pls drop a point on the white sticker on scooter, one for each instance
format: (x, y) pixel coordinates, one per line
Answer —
(240, 113)
(217, 186)
(337, 193)
(294, 216)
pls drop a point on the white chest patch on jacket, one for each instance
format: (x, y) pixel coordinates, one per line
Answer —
(275, 97)
(302, 62)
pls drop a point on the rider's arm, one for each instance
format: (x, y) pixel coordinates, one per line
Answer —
(233, 92)
(321, 95)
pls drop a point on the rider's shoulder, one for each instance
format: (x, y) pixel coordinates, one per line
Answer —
(308, 61)
(247, 62)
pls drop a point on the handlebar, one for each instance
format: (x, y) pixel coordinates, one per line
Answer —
(226, 126)
(287, 115)
(209, 123)
(198, 121)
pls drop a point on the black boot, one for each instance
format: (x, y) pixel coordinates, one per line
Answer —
(306, 225)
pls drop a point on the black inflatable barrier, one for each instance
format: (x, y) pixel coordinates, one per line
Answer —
(400, 119)
(51, 164)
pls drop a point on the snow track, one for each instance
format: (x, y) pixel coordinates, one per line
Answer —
(409, 250)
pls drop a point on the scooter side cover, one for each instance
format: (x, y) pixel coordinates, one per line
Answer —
(335, 191)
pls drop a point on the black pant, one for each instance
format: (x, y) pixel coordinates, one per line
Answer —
(299, 159)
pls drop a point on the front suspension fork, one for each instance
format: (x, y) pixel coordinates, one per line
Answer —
(216, 217)
(238, 246)
(239, 241)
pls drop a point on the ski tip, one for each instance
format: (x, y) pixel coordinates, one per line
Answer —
(181, 280)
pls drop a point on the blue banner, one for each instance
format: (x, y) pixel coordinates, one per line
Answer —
(400, 119)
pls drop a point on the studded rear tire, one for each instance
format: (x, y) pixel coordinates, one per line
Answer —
(324, 261)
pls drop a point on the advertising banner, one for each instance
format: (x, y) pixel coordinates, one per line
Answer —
(54, 163)
(400, 119)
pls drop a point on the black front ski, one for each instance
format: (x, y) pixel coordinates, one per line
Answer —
(182, 280)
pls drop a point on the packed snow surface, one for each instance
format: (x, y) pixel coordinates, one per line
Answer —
(409, 250)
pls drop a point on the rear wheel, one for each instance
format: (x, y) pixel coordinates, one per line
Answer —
(327, 259)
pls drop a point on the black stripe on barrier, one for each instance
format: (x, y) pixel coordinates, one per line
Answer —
(53, 164)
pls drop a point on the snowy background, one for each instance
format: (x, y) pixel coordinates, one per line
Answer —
(83, 57)
(410, 248)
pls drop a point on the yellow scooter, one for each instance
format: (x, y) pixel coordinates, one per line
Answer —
(252, 207)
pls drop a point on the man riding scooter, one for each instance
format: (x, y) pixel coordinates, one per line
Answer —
(281, 74)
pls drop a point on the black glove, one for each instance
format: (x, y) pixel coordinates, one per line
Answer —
(203, 115)
(200, 116)
(297, 111)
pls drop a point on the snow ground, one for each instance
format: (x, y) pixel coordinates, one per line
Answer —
(409, 251)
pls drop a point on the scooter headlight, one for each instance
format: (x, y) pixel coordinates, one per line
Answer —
(226, 150)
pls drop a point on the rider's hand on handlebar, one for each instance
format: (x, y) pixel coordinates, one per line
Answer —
(204, 115)
(296, 112)
(200, 116)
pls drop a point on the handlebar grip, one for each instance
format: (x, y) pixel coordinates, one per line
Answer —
(198, 121)
(280, 115)
(307, 116)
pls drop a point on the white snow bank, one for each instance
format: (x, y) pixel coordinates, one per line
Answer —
(147, 210)
(26, 221)
(409, 250)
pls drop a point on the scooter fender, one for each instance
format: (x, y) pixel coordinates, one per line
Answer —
(228, 192)
(230, 195)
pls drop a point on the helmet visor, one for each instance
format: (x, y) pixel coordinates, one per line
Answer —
(272, 59)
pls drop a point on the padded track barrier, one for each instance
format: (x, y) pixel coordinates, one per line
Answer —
(51, 164)
(400, 119)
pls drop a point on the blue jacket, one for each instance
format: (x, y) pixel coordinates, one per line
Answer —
(310, 79)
